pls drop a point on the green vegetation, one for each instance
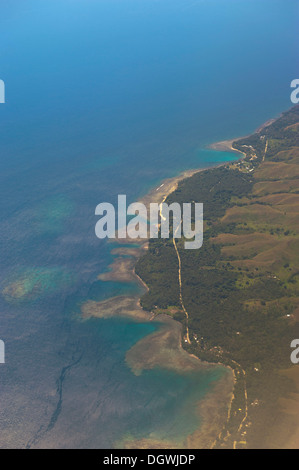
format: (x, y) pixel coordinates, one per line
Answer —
(241, 289)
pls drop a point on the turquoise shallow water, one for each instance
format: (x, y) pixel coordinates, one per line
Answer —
(105, 98)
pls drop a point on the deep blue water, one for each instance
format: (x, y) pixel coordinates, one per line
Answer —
(108, 97)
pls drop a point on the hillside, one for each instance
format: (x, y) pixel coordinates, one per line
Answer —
(241, 289)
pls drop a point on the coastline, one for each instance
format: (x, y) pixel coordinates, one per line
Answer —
(164, 347)
(122, 268)
(226, 146)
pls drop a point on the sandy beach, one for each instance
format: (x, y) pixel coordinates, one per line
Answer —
(225, 146)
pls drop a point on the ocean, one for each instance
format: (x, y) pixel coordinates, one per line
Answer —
(108, 97)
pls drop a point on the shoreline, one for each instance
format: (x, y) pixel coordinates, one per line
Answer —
(123, 269)
(164, 347)
(226, 146)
